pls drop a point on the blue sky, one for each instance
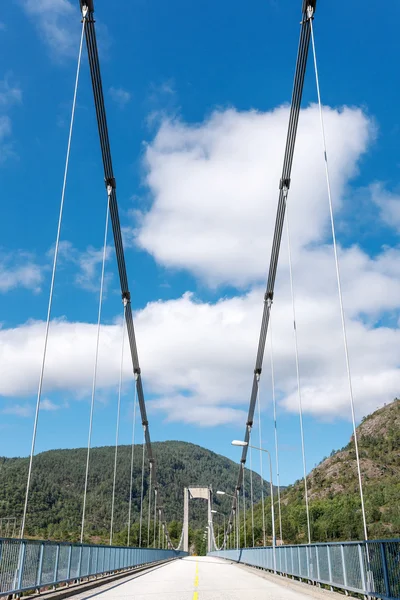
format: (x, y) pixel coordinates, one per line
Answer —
(196, 99)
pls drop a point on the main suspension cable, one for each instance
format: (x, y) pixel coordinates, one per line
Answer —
(131, 474)
(53, 275)
(94, 381)
(98, 96)
(284, 185)
(117, 423)
(296, 352)
(310, 15)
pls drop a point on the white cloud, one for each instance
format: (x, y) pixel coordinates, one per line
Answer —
(9, 93)
(19, 270)
(88, 263)
(18, 410)
(48, 405)
(214, 188)
(388, 202)
(120, 96)
(197, 358)
(58, 24)
(214, 210)
(5, 131)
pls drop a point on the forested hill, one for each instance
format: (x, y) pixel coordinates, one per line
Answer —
(334, 492)
(55, 505)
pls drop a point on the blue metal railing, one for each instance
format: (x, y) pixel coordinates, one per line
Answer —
(370, 568)
(30, 564)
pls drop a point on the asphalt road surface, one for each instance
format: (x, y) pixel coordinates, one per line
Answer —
(199, 578)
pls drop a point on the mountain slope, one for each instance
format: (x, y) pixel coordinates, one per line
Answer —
(333, 490)
(55, 505)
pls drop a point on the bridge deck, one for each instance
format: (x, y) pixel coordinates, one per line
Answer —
(197, 578)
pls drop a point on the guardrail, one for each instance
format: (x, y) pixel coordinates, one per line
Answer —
(370, 568)
(31, 565)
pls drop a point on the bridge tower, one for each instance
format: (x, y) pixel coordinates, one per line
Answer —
(204, 493)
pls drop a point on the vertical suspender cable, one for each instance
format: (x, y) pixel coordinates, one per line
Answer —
(261, 460)
(238, 518)
(244, 511)
(141, 493)
(275, 428)
(131, 474)
(117, 424)
(53, 274)
(95, 363)
(149, 509)
(310, 13)
(296, 351)
(159, 528)
(155, 517)
(251, 495)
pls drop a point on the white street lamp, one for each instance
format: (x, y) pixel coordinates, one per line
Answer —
(242, 443)
(216, 512)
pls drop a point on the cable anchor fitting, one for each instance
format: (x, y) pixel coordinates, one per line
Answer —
(126, 298)
(257, 373)
(110, 185)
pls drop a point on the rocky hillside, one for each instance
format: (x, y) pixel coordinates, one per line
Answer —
(334, 491)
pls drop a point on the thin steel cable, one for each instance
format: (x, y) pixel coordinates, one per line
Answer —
(149, 509)
(296, 351)
(141, 493)
(155, 517)
(132, 455)
(338, 278)
(238, 518)
(159, 529)
(251, 494)
(275, 426)
(117, 424)
(244, 512)
(95, 364)
(53, 274)
(261, 461)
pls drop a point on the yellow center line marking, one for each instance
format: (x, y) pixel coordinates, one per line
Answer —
(196, 582)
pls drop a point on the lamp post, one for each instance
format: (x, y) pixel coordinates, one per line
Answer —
(235, 517)
(240, 443)
(216, 512)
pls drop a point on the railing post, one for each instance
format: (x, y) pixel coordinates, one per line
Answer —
(56, 563)
(80, 562)
(343, 566)
(317, 558)
(97, 561)
(39, 572)
(328, 551)
(21, 563)
(89, 559)
(69, 563)
(385, 569)
(362, 569)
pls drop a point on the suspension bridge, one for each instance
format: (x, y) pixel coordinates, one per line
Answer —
(233, 567)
